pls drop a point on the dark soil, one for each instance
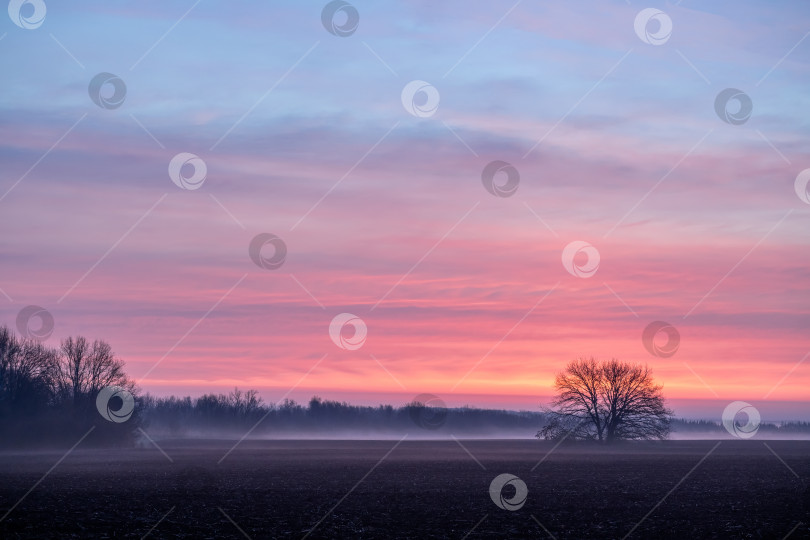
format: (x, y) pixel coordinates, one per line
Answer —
(422, 489)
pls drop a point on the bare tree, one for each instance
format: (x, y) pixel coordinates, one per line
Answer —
(85, 368)
(27, 370)
(9, 350)
(244, 403)
(607, 401)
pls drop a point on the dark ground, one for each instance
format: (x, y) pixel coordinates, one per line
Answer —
(423, 489)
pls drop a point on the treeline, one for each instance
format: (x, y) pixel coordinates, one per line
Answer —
(233, 414)
(48, 394)
(221, 415)
(707, 426)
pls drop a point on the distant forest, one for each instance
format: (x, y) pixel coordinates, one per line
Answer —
(49, 395)
(238, 411)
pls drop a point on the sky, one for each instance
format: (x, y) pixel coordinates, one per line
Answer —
(629, 191)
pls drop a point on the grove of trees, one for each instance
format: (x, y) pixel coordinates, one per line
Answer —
(47, 394)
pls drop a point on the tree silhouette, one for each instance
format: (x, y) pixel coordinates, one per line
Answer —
(84, 368)
(607, 401)
(49, 394)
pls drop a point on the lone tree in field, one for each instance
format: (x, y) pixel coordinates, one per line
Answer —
(607, 401)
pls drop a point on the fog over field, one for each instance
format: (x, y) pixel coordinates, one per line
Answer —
(376, 435)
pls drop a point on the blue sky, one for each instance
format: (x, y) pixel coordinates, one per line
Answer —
(304, 135)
